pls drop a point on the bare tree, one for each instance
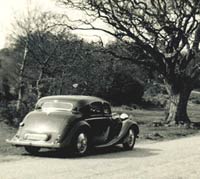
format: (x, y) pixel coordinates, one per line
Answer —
(167, 31)
(24, 59)
(41, 40)
(45, 48)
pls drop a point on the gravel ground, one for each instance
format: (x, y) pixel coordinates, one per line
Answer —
(175, 159)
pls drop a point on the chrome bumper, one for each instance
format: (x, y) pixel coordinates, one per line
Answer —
(18, 143)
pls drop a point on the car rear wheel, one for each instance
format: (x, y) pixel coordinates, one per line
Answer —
(80, 144)
(129, 141)
(32, 150)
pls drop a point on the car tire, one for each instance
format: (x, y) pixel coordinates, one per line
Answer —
(129, 141)
(32, 150)
(80, 143)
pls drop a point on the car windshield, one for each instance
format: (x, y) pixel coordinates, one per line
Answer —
(56, 105)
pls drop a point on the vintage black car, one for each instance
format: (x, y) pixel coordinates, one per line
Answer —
(75, 122)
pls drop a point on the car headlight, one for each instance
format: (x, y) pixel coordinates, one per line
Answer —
(21, 124)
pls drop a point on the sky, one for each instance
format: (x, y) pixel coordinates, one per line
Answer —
(9, 9)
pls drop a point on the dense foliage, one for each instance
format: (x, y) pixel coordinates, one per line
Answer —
(167, 31)
(75, 67)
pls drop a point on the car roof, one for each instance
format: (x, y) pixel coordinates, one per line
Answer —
(78, 100)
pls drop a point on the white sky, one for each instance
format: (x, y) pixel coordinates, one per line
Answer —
(14, 8)
(8, 10)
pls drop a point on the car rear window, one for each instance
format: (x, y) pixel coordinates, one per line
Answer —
(56, 105)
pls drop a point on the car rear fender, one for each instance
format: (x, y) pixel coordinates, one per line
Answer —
(81, 125)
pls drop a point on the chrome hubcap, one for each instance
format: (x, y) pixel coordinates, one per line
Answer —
(130, 138)
(82, 143)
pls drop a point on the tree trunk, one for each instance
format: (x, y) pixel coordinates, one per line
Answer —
(21, 82)
(62, 83)
(39, 92)
(177, 109)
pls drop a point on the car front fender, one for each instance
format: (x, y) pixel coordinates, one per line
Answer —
(127, 124)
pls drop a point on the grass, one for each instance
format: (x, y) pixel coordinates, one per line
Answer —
(148, 132)
(141, 116)
(6, 132)
(144, 118)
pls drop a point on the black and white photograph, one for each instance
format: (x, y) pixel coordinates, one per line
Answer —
(99, 89)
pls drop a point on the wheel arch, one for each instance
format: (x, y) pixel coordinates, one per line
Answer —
(135, 128)
(81, 125)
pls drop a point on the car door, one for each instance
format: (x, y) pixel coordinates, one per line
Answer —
(115, 124)
(100, 124)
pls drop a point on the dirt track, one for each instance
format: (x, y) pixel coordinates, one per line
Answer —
(176, 159)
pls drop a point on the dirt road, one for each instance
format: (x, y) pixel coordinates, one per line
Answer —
(176, 159)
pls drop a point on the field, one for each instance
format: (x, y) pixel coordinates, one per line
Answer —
(145, 119)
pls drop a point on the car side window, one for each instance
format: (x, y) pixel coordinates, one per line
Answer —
(106, 109)
(96, 108)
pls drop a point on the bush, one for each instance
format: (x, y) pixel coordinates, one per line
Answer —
(195, 97)
(10, 115)
(154, 88)
(155, 95)
(160, 100)
(125, 90)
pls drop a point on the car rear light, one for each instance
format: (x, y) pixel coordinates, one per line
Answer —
(57, 140)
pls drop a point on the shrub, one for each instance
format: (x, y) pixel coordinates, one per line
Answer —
(155, 95)
(159, 100)
(125, 90)
(195, 97)
(154, 88)
(10, 115)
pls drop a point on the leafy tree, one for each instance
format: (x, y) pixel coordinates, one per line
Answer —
(167, 31)
(48, 60)
(125, 89)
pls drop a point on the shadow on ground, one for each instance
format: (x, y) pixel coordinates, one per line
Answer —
(109, 152)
